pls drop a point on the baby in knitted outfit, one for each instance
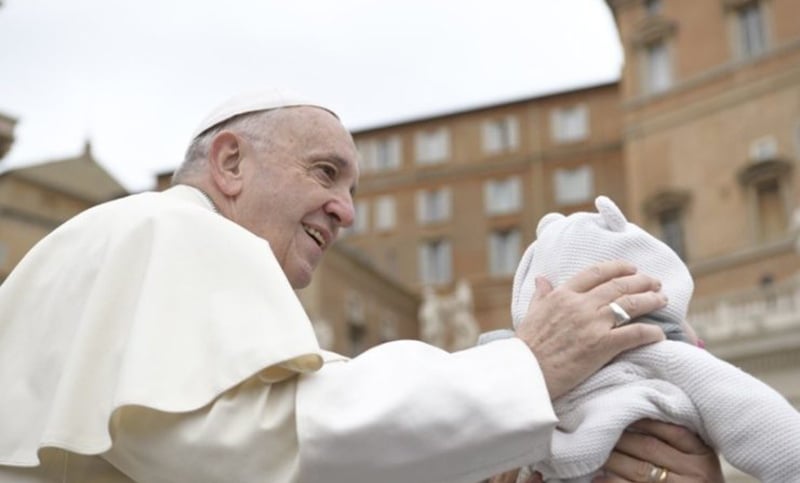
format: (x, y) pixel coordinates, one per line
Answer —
(752, 425)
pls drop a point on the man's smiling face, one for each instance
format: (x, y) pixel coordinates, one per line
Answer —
(299, 178)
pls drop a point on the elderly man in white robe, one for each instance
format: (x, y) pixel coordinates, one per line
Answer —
(158, 338)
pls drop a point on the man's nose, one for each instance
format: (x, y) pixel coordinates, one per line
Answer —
(342, 210)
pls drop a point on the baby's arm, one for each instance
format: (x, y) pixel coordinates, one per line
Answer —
(750, 423)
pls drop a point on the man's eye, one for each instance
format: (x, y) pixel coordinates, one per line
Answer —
(330, 171)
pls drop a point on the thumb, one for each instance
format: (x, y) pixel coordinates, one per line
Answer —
(543, 287)
(536, 477)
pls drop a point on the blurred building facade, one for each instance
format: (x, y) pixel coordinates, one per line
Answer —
(698, 141)
(37, 198)
(458, 196)
(710, 98)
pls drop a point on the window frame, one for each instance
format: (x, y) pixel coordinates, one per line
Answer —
(500, 135)
(570, 124)
(561, 192)
(751, 30)
(657, 75)
(381, 206)
(432, 146)
(435, 261)
(434, 205)
(504, 248)
(491, 187)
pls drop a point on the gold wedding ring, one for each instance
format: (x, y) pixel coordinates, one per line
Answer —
(657, 475)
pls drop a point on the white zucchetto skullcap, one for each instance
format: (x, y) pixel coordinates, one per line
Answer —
(566, 245)
(262, 100)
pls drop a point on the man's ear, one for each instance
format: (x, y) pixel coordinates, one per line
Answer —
(225, 156)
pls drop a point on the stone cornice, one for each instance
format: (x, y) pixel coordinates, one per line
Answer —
(728, 95)
(736, 4)
(451, 171)
(50, 187)
(702, 267)
(757, 171)
(666, 200)
(45, 222)
(653, 29)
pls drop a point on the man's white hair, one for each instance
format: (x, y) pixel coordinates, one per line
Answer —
(246, 115)
(248, 125)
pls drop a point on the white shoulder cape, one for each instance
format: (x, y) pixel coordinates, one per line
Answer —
(151, 300)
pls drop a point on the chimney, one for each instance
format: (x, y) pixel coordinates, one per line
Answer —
(6, 133)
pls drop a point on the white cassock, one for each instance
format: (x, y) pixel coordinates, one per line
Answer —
(149, 339)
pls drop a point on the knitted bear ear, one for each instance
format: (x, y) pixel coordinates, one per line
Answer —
(547, 220)
(611, 214)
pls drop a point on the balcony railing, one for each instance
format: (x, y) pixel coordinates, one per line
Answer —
(764, 310)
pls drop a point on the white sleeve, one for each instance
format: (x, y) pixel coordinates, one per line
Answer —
(406, 411)
(402, 412)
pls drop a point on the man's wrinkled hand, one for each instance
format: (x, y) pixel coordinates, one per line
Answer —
(570, 329)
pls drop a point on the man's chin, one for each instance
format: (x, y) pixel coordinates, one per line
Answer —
(301, 285)
(300, 277)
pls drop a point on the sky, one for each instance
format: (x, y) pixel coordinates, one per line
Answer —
(135, 78)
